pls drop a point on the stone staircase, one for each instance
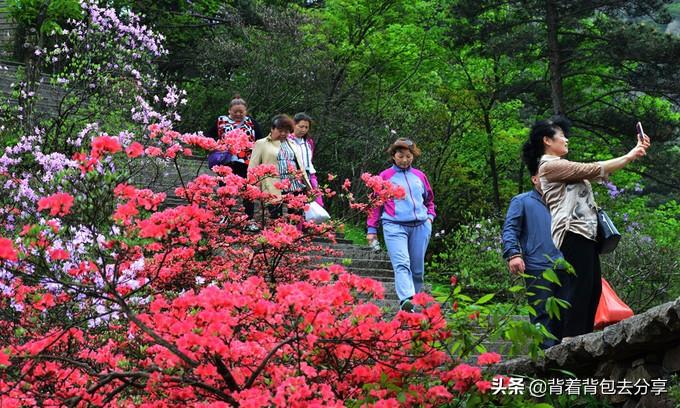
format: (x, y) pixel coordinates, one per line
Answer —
(363, 261)
(7, 27)
(49, 96)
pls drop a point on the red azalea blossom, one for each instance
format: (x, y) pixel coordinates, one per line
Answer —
(105, 144)
(59, 254)
(454, 280)
(7, 250)
(483, 386)
(135, 149)
(59, 204)
(488, 358)
(4, 360)
(153, 151)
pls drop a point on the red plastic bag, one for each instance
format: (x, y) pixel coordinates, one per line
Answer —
(611, 309)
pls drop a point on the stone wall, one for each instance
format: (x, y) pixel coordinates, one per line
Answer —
(48, 96)
(164, 175)
(643, 347)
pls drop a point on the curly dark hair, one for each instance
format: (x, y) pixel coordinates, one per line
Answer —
(533, 148)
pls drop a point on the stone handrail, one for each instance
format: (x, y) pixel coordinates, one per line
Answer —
(645, 346)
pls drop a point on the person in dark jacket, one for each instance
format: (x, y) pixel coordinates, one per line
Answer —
(528, 248)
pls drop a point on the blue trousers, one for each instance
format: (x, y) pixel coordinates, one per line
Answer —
(540, 290)
(406, 246)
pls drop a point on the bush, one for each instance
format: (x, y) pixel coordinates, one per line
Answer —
(473, 252)
(643, 269)
(643, 272)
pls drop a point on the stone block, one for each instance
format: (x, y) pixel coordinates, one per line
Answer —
(614, 336)
(618, 371)
(654, 357)
(638, 362)
(639, 329)
(657, 401)
(671, 360)
(630, 403)
(644, 371)
(605, 369)
(594, 344)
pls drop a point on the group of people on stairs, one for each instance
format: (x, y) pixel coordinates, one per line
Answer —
(554, 222)
(288, 146)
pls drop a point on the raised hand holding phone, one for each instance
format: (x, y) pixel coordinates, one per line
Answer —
(642, 144)
(640, 131)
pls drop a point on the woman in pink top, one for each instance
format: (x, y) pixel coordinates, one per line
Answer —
(568, 194)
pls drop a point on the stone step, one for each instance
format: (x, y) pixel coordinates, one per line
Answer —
(358, 262)
(338, 239)
(371, 272)
(357, 252)
(351, 247)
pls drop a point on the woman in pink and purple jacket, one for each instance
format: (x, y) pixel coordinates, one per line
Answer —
(407, 222)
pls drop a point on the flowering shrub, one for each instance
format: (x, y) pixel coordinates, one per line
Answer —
(649, 250)
(473, 253)
(109, 300)
(101, 66)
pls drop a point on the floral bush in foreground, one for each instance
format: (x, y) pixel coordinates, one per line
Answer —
(109, 300)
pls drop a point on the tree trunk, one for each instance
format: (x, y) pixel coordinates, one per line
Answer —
(554, 58)
(520, 179)
(492, 162)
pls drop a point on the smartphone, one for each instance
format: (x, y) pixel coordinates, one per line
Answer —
(640, 132)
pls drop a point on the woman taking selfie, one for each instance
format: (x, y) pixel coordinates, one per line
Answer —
(568, 194)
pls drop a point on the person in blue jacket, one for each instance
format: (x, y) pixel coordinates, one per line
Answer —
(529, 249)
(407, 222)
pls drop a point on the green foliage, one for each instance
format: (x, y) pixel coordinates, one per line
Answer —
(642, 268)
(355, 233)
(476, 322)
(674, 388)
(46, 16)
(473, 253)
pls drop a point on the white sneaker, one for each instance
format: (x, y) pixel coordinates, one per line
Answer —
(252, 227)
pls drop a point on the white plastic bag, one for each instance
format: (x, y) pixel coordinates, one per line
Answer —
(316, 213)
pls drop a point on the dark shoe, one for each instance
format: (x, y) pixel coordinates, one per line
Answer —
(406, 306)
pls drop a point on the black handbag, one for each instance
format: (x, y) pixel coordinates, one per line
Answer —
(608, 236)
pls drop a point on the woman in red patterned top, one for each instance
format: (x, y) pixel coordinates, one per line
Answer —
(237, 118)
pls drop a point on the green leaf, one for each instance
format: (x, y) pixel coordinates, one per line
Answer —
(485, 298)
(551, 276)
